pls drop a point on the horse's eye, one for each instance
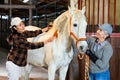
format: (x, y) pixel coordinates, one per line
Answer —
(75, 25)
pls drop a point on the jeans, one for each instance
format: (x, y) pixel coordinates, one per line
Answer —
(100, 76)
(13, 70)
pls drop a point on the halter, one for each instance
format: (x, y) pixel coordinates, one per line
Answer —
(55, 34)
(77, 39)
(72, 34)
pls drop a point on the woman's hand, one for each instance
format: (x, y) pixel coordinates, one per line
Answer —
(45, 29)
(49, 40)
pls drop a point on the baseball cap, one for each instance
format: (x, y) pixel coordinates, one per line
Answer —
(106, 27)
(15, 21)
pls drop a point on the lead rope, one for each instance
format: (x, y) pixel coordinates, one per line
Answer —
(86, 67)
(86, 63)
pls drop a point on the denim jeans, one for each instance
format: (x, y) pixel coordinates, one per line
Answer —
(100, 76)
(13, 71)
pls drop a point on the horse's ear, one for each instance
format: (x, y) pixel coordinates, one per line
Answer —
(83, 10)
(68, 7)
(70, 10)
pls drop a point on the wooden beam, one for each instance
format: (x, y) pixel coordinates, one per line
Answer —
(18, 6)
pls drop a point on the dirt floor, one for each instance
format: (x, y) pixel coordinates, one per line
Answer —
(36, 74)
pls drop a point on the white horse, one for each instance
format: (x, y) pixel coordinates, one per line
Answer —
(69, 27)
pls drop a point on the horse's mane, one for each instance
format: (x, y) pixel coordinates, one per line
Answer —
(58, 25)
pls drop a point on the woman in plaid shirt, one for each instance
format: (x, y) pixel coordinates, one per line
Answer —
(17, 56)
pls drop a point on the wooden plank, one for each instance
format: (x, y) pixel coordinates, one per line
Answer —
(18, 6)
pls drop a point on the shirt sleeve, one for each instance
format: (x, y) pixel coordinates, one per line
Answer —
(33, 33)
(24, 44)
(34, 45)
(106, 55)
(9, 39)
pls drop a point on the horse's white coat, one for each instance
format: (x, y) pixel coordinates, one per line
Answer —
(58, 53)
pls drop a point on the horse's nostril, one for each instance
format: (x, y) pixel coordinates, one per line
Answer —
(75, 25)
(81, 47)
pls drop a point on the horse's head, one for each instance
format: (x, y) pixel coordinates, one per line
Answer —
(78, 26)
(72, 23)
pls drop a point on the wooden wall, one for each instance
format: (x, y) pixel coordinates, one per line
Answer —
(115, 60)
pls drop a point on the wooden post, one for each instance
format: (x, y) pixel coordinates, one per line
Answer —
(30, 14)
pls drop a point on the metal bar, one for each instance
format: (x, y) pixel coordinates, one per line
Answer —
(30, 14)
(45, 17)
(68, 2)
(10, 11)
(47, 4)
(17, 6)
(78, 4)
(103, 13)
(88, 15)
(0, 30)
(98, 11)
(56, 9)
(114, 14)
(81, 4)
(85, 5)
(108, 11)
(93, 16)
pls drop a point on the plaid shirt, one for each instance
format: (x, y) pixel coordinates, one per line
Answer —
(20, 45)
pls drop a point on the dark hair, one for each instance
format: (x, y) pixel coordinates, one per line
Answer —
(13, 31)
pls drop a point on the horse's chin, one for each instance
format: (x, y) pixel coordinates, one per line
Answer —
(82, 51)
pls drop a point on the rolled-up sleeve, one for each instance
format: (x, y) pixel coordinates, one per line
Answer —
(104, 60)
(24, 44)
(32, 33)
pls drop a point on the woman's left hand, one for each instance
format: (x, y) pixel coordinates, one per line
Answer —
(45, 29)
